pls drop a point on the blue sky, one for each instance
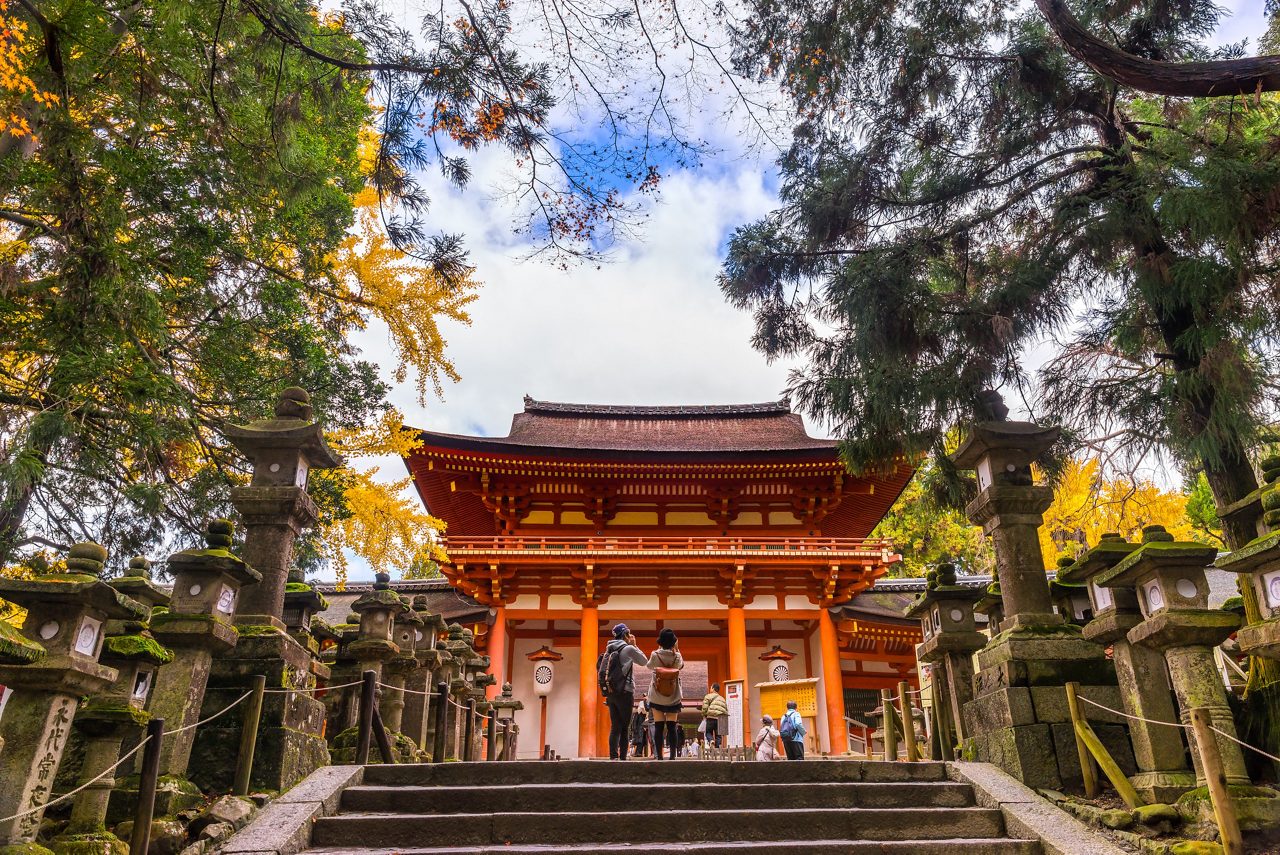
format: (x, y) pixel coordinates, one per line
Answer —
(650, 327)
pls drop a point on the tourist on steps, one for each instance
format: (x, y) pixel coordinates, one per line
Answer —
(793, 732)
(664, 692)
(766, 741)
(713, 706)
(614, 671)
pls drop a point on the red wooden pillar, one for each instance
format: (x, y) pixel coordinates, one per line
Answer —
(497, 650)
(832, 683)
(588, 693)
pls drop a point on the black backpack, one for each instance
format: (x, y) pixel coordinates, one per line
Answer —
(610, 675)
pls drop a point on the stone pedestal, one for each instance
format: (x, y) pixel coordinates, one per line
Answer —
(1018, 717)
(291, 742)
(66, 616)
(1158, 750)
(197, 627)
(1173, 594)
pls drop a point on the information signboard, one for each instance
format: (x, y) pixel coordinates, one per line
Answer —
(736, 697)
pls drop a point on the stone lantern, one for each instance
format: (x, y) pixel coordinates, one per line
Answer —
(504, 708)
(197, 626)
(1260, 561)
(301, 603)
(1145, 691)
(275, 506)
(408, 630)
(991, 607)
(1071, 601)
(945, 612)
(378, 611)
(66, 616)
(1018, 718)
(1173, 596)
(114, 715)
(275, 615)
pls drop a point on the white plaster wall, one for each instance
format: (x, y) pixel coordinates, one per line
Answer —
(562, 703)
(800, 601)
(632, 601)
(688, 601)
(525, 601)
(561, 601)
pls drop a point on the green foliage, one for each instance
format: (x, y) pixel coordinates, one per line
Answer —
(171, 269)
(959, 190)
(927, 532)
(1202, 511)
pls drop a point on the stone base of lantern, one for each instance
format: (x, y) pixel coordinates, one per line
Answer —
(1260, 639)
(1019, 719)
(102, 843)
(173, 795)
(291, 743)
(1257, 808)
(25, 849)
(1162, 787)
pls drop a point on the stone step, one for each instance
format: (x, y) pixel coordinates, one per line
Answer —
(650, 771)
(949, 846)
(361, 831)
(531, 798)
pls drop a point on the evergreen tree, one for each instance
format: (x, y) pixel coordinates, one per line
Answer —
(959, 189)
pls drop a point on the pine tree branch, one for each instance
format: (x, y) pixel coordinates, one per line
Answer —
(1187, 79)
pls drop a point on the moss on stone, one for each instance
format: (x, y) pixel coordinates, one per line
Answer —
(100, 710)
(138, 646)
(1234, 604)
(257, 630)
(94, 843)
(1196, 847)
(16, 648)
(24, 849)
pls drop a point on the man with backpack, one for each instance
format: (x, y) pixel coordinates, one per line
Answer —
(793, 732)
(614, 675)
(713, 708)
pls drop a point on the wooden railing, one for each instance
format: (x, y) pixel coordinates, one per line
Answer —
(609, 543)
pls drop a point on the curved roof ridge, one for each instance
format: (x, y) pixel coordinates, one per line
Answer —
(770, 408)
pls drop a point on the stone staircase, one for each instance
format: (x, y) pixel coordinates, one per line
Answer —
(851, 807)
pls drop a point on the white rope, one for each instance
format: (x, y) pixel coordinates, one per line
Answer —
(1183, 726)
(1134, 717)
(118, 763)
(315, 688)
(1245, 744)
(65, 796)
(227, 708)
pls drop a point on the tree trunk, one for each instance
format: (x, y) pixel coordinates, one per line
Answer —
(1186, 79)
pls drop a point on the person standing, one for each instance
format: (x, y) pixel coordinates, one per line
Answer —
(766, 741)
(664, 692)
(615, 674)
(639, 730)
(713, 707)
(793, 732)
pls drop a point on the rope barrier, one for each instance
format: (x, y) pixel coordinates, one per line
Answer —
(1245, 744)
(116, 765)
(1183, 726)
(315, 688)
(85, 785)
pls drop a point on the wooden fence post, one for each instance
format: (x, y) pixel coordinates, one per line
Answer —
(1224, 810)
(249, 736)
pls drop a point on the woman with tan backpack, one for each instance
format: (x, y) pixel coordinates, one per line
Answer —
(664, 691)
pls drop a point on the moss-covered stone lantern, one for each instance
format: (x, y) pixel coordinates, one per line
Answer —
(408, 631)
(1145, 693)
(991, 606)
(301, 603)
(198, 625)
(67, 614)
(275, 506)
(1071, 600)
(378, 611)
(1017, 718)
(945, 612)
(1173, 596)
(110, 717)
(1260, 561)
